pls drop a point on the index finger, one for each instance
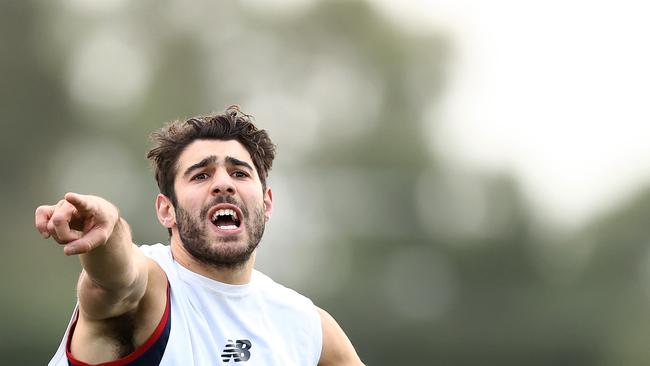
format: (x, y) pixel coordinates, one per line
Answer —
(80, 202)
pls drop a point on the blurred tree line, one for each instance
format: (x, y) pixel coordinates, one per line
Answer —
(420, 261)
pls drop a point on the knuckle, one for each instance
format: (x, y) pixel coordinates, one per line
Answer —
(58, 220)
(62, 238)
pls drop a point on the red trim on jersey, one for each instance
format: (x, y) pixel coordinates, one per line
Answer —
(131, 356)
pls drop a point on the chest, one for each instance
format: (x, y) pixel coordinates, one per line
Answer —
(246, 330)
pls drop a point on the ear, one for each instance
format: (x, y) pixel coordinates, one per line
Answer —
(268, 204)
(165, 211)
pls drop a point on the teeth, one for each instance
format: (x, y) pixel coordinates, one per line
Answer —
(227, 227)
(225, 212)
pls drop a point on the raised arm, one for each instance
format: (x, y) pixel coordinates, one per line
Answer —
(337, 348)
(116, 275)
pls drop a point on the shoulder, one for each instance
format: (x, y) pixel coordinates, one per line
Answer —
(282, 295)
(155, 250)
(296, 313)
(337, 348)
(287, 302)
(160, 254)
(160, 260)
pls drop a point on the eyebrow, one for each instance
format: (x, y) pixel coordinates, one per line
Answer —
(201, 164)
(213, 159)
(237, 162)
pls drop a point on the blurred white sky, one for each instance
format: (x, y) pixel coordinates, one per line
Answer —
(555, 92)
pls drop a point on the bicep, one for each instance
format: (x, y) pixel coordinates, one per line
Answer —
(337, 348)
(99, 337)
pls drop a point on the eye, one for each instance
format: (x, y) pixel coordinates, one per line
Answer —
(201, 176)
(239, 174)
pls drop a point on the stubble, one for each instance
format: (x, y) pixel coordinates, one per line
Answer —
(223, 251)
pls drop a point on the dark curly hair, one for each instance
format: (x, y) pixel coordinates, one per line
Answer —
(232, 124)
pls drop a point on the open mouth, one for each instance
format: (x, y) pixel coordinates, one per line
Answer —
(226, 219)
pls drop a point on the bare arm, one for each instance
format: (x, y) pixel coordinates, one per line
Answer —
(116, 276)
(337, 348)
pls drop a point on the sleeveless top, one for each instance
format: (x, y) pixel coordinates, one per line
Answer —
(207, 322)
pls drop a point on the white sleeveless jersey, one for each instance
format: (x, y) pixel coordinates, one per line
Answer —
(261, 323)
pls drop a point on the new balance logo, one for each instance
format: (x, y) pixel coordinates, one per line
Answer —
(237, 351)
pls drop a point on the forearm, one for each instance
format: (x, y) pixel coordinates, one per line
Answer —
(111, 266)
(114, 277)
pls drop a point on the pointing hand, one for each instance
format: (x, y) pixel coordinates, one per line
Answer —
(79, 222)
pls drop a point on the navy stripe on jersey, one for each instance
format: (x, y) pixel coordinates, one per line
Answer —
(149, 354)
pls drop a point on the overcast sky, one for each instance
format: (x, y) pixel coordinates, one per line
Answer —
(555, 92)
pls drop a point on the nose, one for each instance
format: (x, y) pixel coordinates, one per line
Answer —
(222, 184)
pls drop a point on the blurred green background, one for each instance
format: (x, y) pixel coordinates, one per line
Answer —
(420, 261)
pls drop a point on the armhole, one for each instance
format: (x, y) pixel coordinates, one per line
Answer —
(150, 353)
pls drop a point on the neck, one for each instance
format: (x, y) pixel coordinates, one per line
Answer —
(233, 275)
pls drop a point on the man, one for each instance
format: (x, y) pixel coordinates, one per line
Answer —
(197, 301)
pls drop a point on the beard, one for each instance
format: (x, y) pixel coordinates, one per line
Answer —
(221, 253)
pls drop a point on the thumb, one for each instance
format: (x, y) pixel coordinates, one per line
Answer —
(95, 237)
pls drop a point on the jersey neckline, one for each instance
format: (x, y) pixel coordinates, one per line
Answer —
(221, 287)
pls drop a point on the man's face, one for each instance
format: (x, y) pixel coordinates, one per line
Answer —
(221, 208)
